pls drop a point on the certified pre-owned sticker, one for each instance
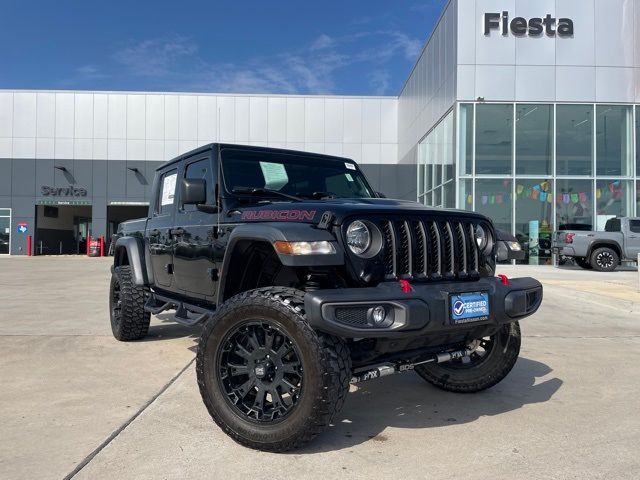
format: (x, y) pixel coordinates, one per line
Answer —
(469, 307)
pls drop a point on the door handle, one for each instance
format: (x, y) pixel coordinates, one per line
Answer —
(176, 231)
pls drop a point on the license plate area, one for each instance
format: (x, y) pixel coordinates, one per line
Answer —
(469, 307)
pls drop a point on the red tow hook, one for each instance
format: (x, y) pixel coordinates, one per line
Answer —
(504, 279)
(406, 286)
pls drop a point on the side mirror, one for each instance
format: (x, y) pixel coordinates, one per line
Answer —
(194, 191)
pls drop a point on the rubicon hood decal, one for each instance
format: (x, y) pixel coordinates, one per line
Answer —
(280, 215)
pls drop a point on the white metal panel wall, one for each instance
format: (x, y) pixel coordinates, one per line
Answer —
(154, 126)
(429, 92)
(600, 63)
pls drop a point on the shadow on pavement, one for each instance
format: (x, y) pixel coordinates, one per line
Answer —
(407, 401)
(169, 329)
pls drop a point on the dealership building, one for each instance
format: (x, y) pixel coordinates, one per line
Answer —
(524, 110)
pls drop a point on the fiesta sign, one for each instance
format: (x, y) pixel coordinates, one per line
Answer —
(520, 27)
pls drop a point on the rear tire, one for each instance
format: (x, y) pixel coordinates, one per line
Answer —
(267, 378)
(583, 263)
(481, 372)
(129, 320)
(604, 259)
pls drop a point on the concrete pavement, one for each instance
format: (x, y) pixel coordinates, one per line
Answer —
(569, 409)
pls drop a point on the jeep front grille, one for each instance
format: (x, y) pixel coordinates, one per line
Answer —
(429, 249)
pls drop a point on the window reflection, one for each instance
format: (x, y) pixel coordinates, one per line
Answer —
(614, 137)
(574, 204)
(494, 139)
(574, 142)
(613, 198)
(534, 139)
(493, 199)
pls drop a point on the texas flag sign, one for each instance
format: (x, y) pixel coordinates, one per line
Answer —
(22, 228)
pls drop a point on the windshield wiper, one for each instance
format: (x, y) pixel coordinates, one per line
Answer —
(265, 192)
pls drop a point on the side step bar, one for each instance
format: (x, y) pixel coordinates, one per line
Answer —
(157, 303)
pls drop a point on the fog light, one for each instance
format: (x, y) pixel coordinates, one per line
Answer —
(379, 315)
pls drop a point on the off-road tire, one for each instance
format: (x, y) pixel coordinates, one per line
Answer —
(325, 375)
(495, 367)
(604, 259)
(132, 323)
(583, 263)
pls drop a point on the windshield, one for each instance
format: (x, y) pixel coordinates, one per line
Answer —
(293, 174)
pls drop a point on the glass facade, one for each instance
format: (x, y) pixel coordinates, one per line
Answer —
(535, 168)
(436, 173)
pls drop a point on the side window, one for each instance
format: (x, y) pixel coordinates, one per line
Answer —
(612, 225)
(634, 226)
(165, 202)
(201, 169)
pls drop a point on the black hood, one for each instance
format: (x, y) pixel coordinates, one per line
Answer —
(311, 211)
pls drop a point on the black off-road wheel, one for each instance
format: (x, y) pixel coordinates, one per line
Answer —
(129, 320)
(267, 378)
(583, 263)
(604, 259)
(491, 362)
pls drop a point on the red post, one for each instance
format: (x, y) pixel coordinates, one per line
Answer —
(88, 244)
(29, 245)
(102, 246)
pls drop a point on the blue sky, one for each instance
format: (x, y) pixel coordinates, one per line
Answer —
(340, 47)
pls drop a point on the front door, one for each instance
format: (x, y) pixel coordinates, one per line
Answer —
(195, 267)
(159, 229)
(632, 242)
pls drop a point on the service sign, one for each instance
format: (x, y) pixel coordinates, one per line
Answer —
(22, 228)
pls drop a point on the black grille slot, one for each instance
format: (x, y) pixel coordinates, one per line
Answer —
(425, 249)
(435, 259)
(356, 316)
(389, 249)
(404, 254)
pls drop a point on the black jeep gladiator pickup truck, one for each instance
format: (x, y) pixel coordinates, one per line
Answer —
(307, 280)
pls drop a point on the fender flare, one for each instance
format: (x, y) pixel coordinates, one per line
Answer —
(281, 231)
(134, 248)
(595, 244)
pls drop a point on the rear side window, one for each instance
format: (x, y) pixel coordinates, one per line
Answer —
(612, 225)
(166, 200)
(634, 226)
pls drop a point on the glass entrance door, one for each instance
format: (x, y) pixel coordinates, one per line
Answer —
(81, 231)
(5, 230)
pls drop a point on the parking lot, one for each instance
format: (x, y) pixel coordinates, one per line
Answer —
(73, 401)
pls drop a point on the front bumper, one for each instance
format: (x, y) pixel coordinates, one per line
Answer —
(423, 311)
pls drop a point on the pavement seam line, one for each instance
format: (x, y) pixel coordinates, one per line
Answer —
(122, 427)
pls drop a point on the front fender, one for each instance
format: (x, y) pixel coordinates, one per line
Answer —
(132, 249)
(282, 231)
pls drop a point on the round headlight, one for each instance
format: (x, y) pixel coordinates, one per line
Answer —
(482, 238)
(358, 237)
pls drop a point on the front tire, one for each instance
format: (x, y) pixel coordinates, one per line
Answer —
(487, 366)
(129, 320)
(266, 377)
(604, 259)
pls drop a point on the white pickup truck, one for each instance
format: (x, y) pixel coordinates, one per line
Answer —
(602, 251)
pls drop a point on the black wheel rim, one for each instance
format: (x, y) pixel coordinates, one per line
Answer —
(485, 347)
(260, 372)
(604, 260)
(116, 303)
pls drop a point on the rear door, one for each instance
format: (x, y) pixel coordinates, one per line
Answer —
(195, 266)
(160, 226)
(632, 240)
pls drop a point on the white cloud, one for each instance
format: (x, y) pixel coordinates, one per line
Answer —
(176, 63)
